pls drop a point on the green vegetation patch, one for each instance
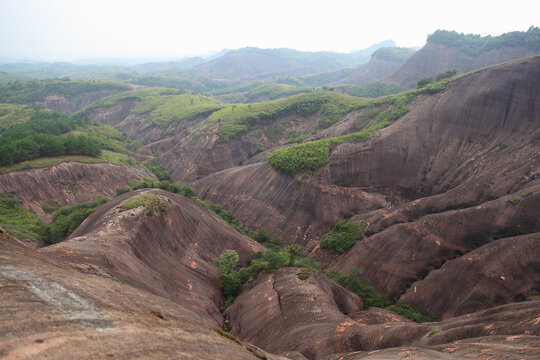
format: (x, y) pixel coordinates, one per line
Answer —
(378, 113)
(50, 206)
(237, 119)
(68, 218)
(343, 237)
(18, 221)
(40, 136)
(407, 310)
(148, 183)
(37, 90)
(11, 114)
(158, 170)
(151, 202)
(476, 44)
(353, 282)
(165, 106)
(271, 91)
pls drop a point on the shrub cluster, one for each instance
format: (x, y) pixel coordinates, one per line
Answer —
(66, 219)
(158, 170)
(176, 187)
(150, 201)
(33, 91)
(444, 75)
(343, 237)
(233, 277)
(354, 283)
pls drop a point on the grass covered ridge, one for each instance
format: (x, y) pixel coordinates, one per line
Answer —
(378, 114)
(37, 90)
(164, 106)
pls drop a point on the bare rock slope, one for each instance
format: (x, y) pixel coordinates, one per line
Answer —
(169, 254)
(49, 310)
(67, 183)
(464, 166)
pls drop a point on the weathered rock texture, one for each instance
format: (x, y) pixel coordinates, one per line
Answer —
(280, 312)
(67, 106)
(435, 58)
(49, 310)
(67, 183)
(465, 163)
(296, 209)
(169, 255)
(316, 318)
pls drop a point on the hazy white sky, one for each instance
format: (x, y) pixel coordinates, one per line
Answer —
(74, 29)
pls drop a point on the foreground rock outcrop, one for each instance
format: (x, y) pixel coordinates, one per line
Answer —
(169, 254)
(52, 311)
(316, 317)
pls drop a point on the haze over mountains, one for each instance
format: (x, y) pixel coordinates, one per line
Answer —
(275, 204)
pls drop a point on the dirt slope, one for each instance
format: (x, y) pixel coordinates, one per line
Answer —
(169, 255)
(52, 311)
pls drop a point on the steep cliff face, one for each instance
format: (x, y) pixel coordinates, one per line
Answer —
(62, 105)
(67, 183)
(56, 312)
(435, 58)
(169, 254)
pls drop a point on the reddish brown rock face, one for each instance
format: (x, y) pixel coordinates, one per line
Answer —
(317, 318)
(169, 255)
(67, 183)
(279, 312)
(465, 162)
(52, 311)
(296, 209)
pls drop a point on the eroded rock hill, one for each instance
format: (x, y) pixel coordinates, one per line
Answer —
(435, 58)
(61, 104)
(169, 254)
(52, 311)
(464, 166)
(68, 183)
(316, 318)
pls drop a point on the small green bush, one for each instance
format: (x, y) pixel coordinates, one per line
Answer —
(343, 237)
(158, 170)
(50, 206)
(151, 202)
(66, 219)
(354, 283)
(407, 310)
